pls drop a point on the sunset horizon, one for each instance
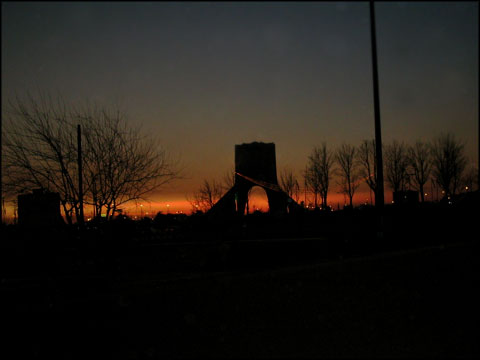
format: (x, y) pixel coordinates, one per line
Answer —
(240, 179)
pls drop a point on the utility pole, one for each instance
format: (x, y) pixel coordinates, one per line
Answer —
(379, 193)
(2, 205)
(80, 177)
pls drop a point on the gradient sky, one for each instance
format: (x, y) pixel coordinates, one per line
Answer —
(203, 77)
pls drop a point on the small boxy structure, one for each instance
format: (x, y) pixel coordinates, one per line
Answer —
(255, 165)
(41, 208)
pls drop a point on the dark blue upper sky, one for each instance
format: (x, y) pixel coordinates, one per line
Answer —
(206, 76)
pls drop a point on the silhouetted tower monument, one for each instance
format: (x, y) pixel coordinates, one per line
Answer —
(255, 165)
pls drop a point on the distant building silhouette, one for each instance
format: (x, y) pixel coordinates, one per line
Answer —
(255, 165)
(40, 208)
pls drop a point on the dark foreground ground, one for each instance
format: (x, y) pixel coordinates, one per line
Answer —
(413, 303)
(329, 285)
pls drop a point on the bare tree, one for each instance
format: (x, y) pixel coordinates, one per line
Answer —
(120, 164)
(207, 195)
(420, 162)
(318, 174)
(327, 161)
(39, 150)
(346, 159)
(470, 179)
(449, 162)
(228, 180)
(396, 165)
(368, 164)
(312, 181)
(289, 183)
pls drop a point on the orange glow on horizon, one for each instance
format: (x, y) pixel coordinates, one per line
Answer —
(176, 203)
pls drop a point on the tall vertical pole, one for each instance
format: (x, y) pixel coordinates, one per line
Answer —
(379, 193)
(2, 205)
(305, 188)
(80, 177)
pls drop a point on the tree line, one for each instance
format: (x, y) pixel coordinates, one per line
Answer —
(441, 161)
(406, 167)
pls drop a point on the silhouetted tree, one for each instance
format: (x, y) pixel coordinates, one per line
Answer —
(420, 162)
(346, 159)
(396, 164)
(289, 183)
(40, 151)
(228, 180)
(368, 164)
(311, 180)
(121, 163)
(207, 195)
(449, 162)
(318, 174)
(470, 179)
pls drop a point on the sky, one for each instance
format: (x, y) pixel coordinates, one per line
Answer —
(202, 77)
